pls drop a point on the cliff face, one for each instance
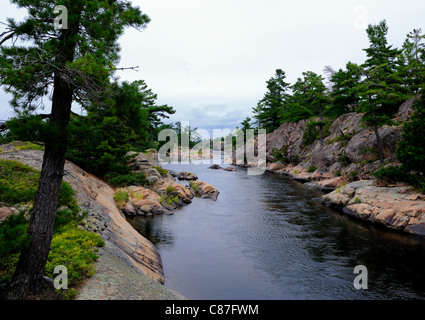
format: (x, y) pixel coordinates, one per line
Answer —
(349, 148)
(104, 218)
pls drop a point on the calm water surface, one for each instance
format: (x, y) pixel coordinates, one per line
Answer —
(267, 238)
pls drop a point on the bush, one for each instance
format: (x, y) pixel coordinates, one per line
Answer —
(392, 174)
(13, 238)
(162, 172)
(131, 179)
(312, 168)
(74, 248)
(170, 189)
(310, 135)
(18, 182)
(411, 150)
(281, 155)
(71, 246)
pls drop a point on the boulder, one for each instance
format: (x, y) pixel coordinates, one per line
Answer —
(188, 176)
(6, 212)
(205, 190)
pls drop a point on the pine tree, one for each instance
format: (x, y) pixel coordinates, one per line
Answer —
(411, 149)
(268, 109)
(345, 97)
(412, 68)
(76, 59)
(309, 99)
(382, 91)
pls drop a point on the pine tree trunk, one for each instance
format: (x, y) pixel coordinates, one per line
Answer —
(28, 278)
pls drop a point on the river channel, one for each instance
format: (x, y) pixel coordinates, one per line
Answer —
(267, 238)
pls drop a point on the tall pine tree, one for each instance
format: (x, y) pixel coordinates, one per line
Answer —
(75, 60)
(268, 109)
(382, 91)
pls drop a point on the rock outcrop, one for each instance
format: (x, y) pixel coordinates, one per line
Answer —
(204, 190)
(349, 149)
(343, 168)
(397, 208)
(104, 218)
(164, 195)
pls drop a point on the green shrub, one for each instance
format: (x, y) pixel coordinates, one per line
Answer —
(162, 172)
(73, 248)
(13, 238)
(392, 174)
(343, 158)
(18, 182)
(312, 168)
(310, 135)
(195, 187)
(131, 179)
(357, 200)
(281, 155)
(18, 145)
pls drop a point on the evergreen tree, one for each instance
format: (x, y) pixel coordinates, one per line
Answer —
(268, 109)
(76, 60)
(246, 125)
(412, 68)
(345, 97)
(130, 121)
(309, 99)
(382, 91)
(411, 149)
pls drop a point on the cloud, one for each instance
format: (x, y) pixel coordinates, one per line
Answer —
(210, 60)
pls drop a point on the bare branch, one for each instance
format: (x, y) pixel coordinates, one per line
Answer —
(7, 35)
(128, 68)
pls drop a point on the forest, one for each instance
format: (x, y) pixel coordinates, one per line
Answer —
(376, 89)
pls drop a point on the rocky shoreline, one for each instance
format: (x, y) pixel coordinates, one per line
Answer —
(343, 166)
(397, 208)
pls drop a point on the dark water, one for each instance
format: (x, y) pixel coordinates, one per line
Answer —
(267, 238)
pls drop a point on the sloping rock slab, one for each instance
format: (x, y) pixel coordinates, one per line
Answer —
(104, 217)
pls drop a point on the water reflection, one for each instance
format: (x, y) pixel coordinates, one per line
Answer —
(267, 237)
(153, 229)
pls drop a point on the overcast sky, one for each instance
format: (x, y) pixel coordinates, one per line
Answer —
(210, 59)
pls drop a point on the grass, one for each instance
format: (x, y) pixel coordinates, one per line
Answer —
(357, 200)
(195, 187)
(170, 189)
(121, 197)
